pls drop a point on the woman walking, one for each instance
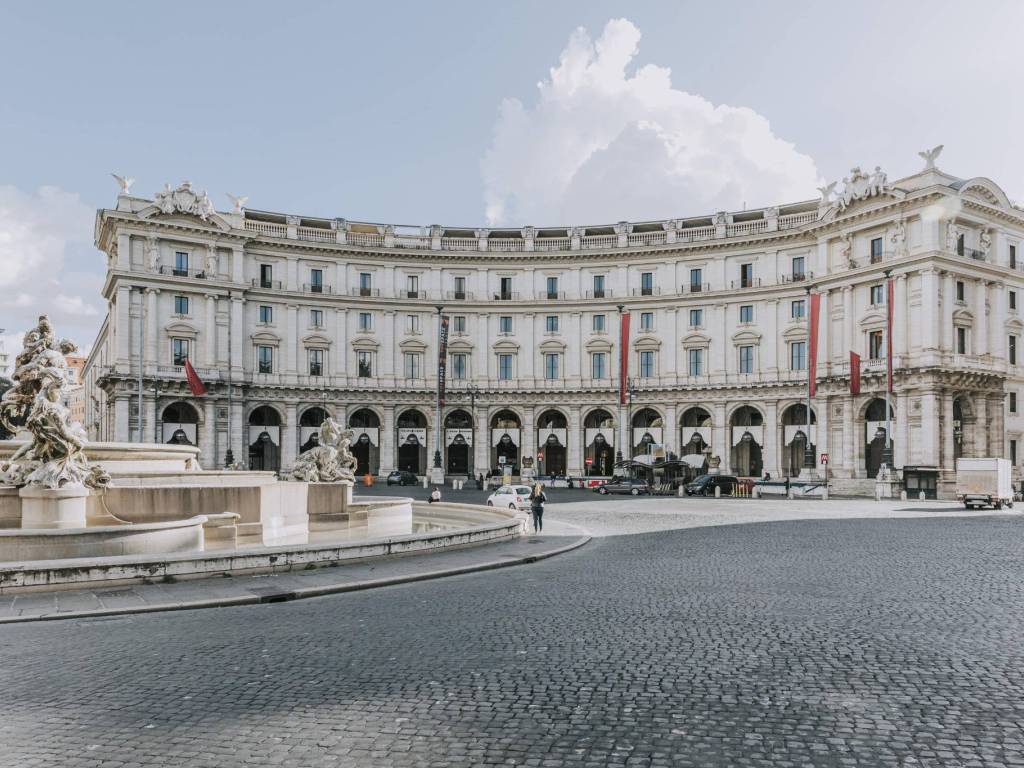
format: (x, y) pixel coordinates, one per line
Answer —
(537, 499)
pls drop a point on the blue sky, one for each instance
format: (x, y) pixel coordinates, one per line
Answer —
(390, 112)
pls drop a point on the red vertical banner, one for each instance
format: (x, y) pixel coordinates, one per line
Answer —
(854, 373)
(623, 357)
(888, 334)
(194, 382)
(812, 345)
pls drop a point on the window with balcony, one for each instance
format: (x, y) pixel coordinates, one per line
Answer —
(1013, 300)
(505, 289)
(960, 290)
(412, 364)
(266, 314)
(265, 359)
(597, 323)
(551, 324)
(877, 295)
(1013, 257)
(412, 287)
(316, 281)
(599, 365)
(365, 284)
(316, 318)
(960, 244)
(746, 359)
(551, 365)
(181, 263)
(646, 364)
(696, 280)
(459, 324)
(646, 321)
(876, 250)
(961, 340)
(695, 359)
(460, 287)
(552, 287)
(746, 313)
(798, 356)
(1013, 402)
(412, 324)
(798, 309)
(646, 283)
(696, 318)
(179, 351)
(181, 305)
(799, 268)
(266, 276)
(505, 367)
(505, 324)
(365, 321)
(875, 349)
(1013, 452)
(364, 364)
(598, 286)
(460, 366)
(746, 275)
(316, 362)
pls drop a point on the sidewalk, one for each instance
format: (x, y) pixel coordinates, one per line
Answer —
(247, 590)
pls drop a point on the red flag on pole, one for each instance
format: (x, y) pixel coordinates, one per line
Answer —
(854, 373)
(623, 358)
(812, 345)
(194, 382)
(888, 333)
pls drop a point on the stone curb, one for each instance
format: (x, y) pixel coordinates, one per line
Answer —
(286, 595)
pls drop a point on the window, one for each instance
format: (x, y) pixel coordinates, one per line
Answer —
(365, 283)
(551, 324)
(876, 250)
(412, 364)
(179, 351)
(265, 357)
(696, 360)
(316, 280)
(1013, 402)
(365, 321)
(877, 295)
(552, 283)
(412, 323)
(460, 287)
(551, 360)
(646, 364)
(746, 313)
(799, 263)
(1012, 347)
(412, 286)
(696, 318)
(364, 359)
(460, 365)
(598, 323)
(746, 275)
(960, 290)
(459, 324)
(505, 324)
(646, 321)
(1013, 257)
(266, 314)
(1013, 452)
(960, 244)
(181, 305)
(746, 359)
(505, 367)
(961, 340)
(316, 318)
(181, 263)
(696, 280)
(598, 286)
(316, 362)
(875, 345)
(266, 276)
(506, 289)
(646, 283)
(798, 309)
(798, 356)
(1013, 299)
(599, 365)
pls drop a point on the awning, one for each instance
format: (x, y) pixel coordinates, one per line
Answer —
(695, 460)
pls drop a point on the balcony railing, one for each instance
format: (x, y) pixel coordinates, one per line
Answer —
(746, 282)
(793, 220)
(269, 284)
(458, 295)
(695, 288)
(971, 253)
(316, 235)
(551, 295)
(599, 241)
(317, 288)
(650, 290)
(507, 296)
(198, 274)
(364, 292)
(602, 294)
(797, 277)
(552, 244)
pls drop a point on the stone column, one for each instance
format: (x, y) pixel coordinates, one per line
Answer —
(719, 341)
(901, 431)
(205, 438)
(980, 436)
(237, 267)
(340, 356)
(152, 321)
(482, 443)
(824, 366)
(237, 437)
(388, 347)
(668, 370)
(997, 432)
(979, 332)
(900, 310)
(528, 352)
(149, 433)
(929, 436)
(528, 438)
(769, 361)
(122, 328)
(821, 432)
(771, 454)
(387, 443)
(210, 332)
(237, 337)
(670, 429)
(947, 431)
(289, 435)
(997, 320)
(121, 427)
(574, 349)
(124, 251)
(721, 440)
(291, 341)
(574, 438)
(948, 302)
(930, 309)
(848, 461)
(848, 319)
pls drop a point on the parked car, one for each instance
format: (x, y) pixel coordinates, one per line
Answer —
(511, 496)
(402, 477)
(705, 485)
(623, 485)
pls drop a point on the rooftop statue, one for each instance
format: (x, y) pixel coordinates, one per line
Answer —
(330, 461)
(55, 456)
(930, 156)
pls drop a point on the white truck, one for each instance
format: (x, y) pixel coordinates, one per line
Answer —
(981, 482)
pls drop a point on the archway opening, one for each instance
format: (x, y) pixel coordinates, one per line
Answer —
(180, 424)
(412, 441)
(746, 438)
(265, 449)
(795, 438)
(309, 427)
(647, 433)
(505, 440)
(599, 443)
(875, 435)
(694, 431)
(958, 429)
(365, 426)
(552, 433)
(458, 438)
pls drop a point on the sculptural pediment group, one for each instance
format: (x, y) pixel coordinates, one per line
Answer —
(184, 199)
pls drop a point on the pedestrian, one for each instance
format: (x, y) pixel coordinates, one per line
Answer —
(480, 482)
(435, 496)
(537, 499)
(767, 476)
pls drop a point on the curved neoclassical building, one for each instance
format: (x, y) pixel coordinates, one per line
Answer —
(286, 318)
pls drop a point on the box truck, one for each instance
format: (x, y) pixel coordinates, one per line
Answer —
(984, 482)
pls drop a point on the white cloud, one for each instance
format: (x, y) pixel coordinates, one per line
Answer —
(602, 145)
(74, 305)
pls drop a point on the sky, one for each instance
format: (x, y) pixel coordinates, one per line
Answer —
(475, 114)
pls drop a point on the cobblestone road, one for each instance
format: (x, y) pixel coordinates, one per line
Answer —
(813, 643)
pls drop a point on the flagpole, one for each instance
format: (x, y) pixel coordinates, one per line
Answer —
(887, 453)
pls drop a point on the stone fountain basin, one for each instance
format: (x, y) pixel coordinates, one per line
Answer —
(119, 458)
(175, 536)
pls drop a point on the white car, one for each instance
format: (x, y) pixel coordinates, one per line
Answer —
(515, 497)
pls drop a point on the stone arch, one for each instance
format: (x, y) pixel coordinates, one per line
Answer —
(599, 438)
(460, 436)
(412, 440)
(872, 416)
(746, 440)
(365, 423)
(505, 440)
(694, 430)
(264, 427)
(180, 422)
(310, 420)
(647, 429)
(265, 410)
(794, 439)
(552, 426)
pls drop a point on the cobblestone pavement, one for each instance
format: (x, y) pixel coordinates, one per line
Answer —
(886, 642)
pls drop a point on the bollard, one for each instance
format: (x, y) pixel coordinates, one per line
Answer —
(920, 496)
(425, 481)
(718, 492)
(824, 493)
(791, 494)
(680, 491)
(903, 495)
(756, 492)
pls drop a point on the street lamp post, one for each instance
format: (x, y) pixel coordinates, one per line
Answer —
(621, 407)
(437, 473)
(887, 452)
(809, 465)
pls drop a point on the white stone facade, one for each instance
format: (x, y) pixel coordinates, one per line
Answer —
(301, 313)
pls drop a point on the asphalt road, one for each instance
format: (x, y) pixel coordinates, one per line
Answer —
(472, 496)
(810, 643)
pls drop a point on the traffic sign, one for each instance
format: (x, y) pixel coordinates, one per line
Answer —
(589, 461)
(824, 458)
